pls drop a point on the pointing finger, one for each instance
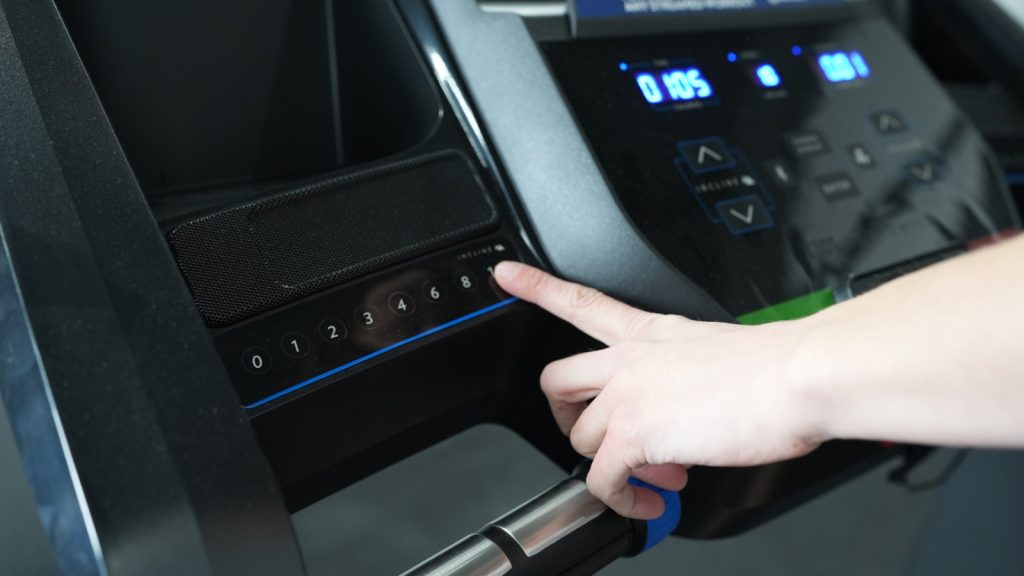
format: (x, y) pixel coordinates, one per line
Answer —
(596, 314)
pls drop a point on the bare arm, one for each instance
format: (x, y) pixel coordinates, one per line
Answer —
(936, 358)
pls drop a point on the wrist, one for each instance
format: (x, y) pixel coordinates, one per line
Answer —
(811, 398)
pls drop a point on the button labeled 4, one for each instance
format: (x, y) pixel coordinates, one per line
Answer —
(401, 304)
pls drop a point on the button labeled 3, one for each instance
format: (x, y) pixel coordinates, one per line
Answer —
(368, 317)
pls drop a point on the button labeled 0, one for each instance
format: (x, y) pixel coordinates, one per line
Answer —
(257, 360)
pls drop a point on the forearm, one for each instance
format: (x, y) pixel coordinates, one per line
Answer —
(936, 357)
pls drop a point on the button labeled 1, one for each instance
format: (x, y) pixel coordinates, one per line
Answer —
(295, 345)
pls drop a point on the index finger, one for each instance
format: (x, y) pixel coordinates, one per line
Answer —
(596, 314)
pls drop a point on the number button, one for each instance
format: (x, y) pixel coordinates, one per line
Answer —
(465, 280)
(295, 345)
(401, 304)
(333, 331)
(434, 291)
(368, 317)
(256, 360)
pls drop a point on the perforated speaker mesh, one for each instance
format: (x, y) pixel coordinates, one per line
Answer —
(256, 257)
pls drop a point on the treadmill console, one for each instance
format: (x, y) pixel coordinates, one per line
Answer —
(773, 165)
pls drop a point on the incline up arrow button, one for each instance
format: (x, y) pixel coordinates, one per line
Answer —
(704, 153)
(707, 155)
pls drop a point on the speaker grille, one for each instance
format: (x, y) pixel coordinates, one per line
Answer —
(262, 255)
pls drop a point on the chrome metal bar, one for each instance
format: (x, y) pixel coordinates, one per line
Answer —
(471, 556)
(551, 516)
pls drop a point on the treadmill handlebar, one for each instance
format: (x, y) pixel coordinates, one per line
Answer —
(564, 530)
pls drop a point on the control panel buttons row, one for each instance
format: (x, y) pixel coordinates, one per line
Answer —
(433, 293)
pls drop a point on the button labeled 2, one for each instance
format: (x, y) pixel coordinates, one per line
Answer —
(333, 330)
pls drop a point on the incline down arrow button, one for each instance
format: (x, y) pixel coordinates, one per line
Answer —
(747, 218)
(924, 172)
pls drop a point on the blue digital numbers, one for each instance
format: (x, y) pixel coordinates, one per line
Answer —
(649, 86)
(673, 85)
(841, 67)
(768, 76)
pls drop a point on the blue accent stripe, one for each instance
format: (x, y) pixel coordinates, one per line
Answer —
(1015, 178)
(382, 351)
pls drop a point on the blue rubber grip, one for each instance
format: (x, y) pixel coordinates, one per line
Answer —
(661, 527)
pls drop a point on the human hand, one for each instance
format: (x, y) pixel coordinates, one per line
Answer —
(667, 393)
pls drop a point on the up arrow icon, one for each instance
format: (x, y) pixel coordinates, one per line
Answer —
(707, 155)
(705, 152)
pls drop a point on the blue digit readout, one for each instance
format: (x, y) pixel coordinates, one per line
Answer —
(840, 67)
(768, 76)
(674, 85)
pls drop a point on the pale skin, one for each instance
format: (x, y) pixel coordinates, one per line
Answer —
(935, 358)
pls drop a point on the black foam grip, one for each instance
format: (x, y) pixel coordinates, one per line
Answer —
(249, 259)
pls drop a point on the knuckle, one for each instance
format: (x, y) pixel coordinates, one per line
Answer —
(549, 378)
(597, 487)
(583, 299)
(576, 439)
(534, 279)
(631, 349)
(641, 322)
(623, 432)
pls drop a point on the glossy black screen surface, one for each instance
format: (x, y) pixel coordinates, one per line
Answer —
(763, 193)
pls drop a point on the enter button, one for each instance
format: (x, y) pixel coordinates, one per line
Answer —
(837, 187)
